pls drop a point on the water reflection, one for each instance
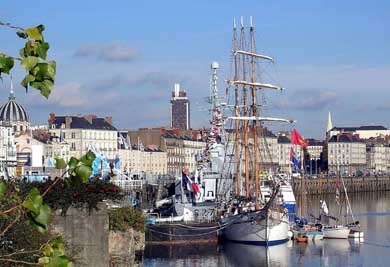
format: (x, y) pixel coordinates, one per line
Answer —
(371, 209)
(247, 255)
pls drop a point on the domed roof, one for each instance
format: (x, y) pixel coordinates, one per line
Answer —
(13, 111)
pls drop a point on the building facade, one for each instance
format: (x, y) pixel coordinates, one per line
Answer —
(180, 109)
(147, 161)
(82, 132)
(378, 158)
(181, 152)
(347, 154)
(7, 151)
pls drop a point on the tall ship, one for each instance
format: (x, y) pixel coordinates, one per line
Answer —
(250, 218)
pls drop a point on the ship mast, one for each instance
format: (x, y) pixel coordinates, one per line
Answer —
(245, 109)
(254, 113)
(237, 113)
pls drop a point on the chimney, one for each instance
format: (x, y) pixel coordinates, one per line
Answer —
(68, 121)
(108, 120)
(52, 118)
(90, 117)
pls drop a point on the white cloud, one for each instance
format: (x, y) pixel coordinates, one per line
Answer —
(111, 52)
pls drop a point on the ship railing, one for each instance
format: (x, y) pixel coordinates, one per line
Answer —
(129, 185)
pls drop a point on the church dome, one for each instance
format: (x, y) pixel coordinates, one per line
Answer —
(13, 111)
(12, 114)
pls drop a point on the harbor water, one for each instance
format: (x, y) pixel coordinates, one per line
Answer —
(371, 209)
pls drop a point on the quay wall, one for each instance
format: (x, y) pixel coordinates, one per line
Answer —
(353, 185)
(89, 241)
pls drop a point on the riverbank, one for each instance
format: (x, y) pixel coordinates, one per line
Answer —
(353, 185)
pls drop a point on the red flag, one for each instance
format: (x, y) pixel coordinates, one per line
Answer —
(297, 139)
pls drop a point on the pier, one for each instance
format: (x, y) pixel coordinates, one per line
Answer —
(353, 185)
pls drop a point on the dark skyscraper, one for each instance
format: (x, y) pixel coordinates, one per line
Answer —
(180, 109)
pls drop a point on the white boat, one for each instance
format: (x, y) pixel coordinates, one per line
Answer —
(337, 231)
(263, 228)
(250, 218)
(312, 235)
(355, 233)
(286, 193)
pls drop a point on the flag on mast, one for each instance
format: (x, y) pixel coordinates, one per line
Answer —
(297, 139)
(294, 160)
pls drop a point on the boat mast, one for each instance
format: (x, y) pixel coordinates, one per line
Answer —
(237, 113)
(254, 113)
(245, 107)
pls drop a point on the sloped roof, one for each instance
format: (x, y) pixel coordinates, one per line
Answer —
(360, 128)
(344, 138)
(82, 123)
(282, 139)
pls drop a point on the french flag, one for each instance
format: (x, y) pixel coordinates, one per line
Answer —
(294, 160)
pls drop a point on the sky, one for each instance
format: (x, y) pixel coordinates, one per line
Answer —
(121, 58)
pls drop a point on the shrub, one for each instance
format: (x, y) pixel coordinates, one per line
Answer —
(122, 219)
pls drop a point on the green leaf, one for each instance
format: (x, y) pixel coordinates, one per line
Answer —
(27, 79)
(60, 163)
(58, 261)
(29, 62)
(84, 172)
(42, 50)
(43, 260)
(33, 201)
(41, 220)
(6, 64)
(44, 70)
(35, 33)
(88, 158)
(30, 49)
(3, 189)
(47, 250)
(45, 87)
(22, 34)
(73, 162)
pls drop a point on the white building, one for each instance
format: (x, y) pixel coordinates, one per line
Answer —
(364, 132)
(314, 148)
(7, 151)
(347, 154)
(181, 152)
(82, 131)
(378, 158)
(146, 161)
(283, 153)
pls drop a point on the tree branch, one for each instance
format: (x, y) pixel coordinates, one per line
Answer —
(18, 261)
(9, 25)
(51, 186)
(20, 252)
(9, 210)
(10, 225)
(15, 58)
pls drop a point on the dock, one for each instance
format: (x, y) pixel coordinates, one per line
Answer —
(353, 184)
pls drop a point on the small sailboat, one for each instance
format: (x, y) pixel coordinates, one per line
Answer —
(251, 219)
(336, 231)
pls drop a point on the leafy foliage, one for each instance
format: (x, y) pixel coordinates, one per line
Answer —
(122, 219)
(85, 195)
(23, 202)
(40, 72)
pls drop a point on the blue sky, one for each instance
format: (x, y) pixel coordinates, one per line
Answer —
(121, 58)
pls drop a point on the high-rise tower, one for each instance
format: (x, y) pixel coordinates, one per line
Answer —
(330, 124)
(180, 109)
